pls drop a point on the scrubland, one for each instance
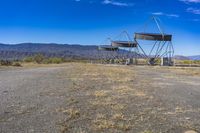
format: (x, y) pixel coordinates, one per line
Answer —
(88, 98)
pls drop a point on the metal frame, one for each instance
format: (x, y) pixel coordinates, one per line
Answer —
(161, 47)
(107, 52)
(131, 45)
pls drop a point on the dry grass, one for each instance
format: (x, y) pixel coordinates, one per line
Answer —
(117, 81)
(123, 89)
(101, 93)
(32, 65)
(119, 107)
(108, 96)
(147, 131)
(185, 71)
(102, 123)
(139, 94)
(108, 101)
(118, 116)
(72, 113)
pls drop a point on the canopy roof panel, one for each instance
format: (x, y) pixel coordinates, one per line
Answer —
(153, 36)
(108, 48)
(127, 44)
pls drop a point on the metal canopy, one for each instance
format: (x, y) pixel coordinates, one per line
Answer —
(108, 48)
(125, 44)
(153, 36)
(159, 43)
(123, 48)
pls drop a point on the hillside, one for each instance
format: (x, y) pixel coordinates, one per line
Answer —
(180, 57)
(19, 51)
(197, 57)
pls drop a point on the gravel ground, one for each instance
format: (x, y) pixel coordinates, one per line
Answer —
(81, 98)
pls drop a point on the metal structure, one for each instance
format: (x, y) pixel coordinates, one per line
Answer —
(128, 48)
(158, 45)
(120, 50)
(108, 48)
(153, 47)
(107, 53)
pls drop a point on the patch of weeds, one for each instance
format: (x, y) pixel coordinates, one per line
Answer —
(64, 129)
(73, 113)
(146, 131)
(179, 110)
(79, 130)
(100, 116)
(118, 116)
(108, 101)
(123, 89)
(101, 124)
(100, 93)
(140, 94)
(125, 126)
(118, 106)
(72, 101)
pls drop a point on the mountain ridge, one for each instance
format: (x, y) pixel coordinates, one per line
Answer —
(76, 51)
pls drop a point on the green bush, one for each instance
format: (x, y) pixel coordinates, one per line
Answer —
(197, 62)
(28, 59)
(54, 60)
(39, 58)
(6, 63)
(187, 62)
(17, 64)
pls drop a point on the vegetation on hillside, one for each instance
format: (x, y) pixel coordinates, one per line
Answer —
(41, 59)
(10, 63)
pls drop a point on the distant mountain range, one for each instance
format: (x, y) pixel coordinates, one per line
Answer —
(20, 51)
(75, 51)
(196, 57)
(180, 57)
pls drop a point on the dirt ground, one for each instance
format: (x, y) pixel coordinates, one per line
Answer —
(89, 98)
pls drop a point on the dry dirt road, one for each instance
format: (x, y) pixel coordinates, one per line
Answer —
(86, 98)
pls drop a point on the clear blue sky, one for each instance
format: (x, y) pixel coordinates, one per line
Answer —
(89, 22)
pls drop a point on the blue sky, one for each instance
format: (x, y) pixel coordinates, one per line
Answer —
(89, 22)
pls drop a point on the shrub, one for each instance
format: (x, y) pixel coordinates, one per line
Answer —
(54, 60)
(39, 58)
(187, 62)
(196, 62)
(28, 59)
(6, 63)
(17, 64)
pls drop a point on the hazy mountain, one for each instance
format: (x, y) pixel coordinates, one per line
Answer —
(75, 51)
(180, 57)
(196, 57)
(20, 51)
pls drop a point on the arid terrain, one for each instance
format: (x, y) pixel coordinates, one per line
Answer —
(91, 98)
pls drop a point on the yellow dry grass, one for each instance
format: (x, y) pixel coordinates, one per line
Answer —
(72, 113)
(118, 107)
(108, 101)
(190, 71)
(33, 65)
(118, 116)
(102, 124)
(101, 93)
